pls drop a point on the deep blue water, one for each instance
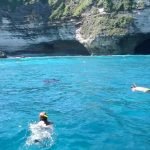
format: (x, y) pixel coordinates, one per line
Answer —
(90, 102)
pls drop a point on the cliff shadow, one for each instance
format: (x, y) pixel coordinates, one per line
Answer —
(54, 48)
(143, 47)
(135, 44)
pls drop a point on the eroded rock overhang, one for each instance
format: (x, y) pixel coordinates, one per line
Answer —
(53, 48)
(56, 39)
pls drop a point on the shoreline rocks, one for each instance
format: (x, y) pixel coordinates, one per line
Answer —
(3, 54)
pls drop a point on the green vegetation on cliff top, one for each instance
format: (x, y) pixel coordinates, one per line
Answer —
(106, 25)
(66, 8)
(111, 23)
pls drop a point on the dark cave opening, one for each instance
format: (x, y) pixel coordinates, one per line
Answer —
(54, 48)
(143, 48)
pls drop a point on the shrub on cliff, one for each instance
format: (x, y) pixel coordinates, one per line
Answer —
(108, 5)
(123, 5)
(58, 13)
(123, 21)
(105, 25)
(82, 6)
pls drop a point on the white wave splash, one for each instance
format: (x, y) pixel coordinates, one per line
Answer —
(40, 135)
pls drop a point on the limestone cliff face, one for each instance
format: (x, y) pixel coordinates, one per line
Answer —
(113, 40)
(28, 29)
(23, 36)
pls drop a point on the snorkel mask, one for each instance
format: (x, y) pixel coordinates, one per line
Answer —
(46, 116)
(43, 114)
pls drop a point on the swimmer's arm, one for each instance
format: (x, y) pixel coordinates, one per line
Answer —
(49, 125)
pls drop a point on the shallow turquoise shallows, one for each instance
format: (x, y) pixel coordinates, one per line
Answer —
(88, 98)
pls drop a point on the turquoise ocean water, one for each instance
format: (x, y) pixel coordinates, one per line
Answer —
(88, 99)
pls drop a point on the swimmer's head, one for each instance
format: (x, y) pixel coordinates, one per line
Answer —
(133, 88)
(43, 116)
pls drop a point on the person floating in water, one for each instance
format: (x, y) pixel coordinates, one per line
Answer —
(135, 88)
(44, 120)
(50, 81)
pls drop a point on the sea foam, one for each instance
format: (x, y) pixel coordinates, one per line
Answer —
(40, 136)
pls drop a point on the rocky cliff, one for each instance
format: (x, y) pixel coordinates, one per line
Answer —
(79, 27)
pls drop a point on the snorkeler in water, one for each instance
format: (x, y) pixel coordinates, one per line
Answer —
(135, 88)
(50, 81)
(44, 120)
(44, 125)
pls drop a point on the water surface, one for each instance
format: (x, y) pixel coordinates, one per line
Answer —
(88, 99)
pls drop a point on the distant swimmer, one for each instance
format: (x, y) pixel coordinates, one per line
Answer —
(50, 81)
(135, 88)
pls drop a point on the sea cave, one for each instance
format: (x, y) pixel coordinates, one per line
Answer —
(143, 48)
(54, 48)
